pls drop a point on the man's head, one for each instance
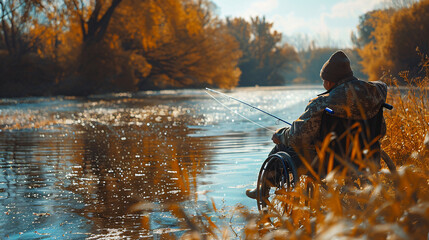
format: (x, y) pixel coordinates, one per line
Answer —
(335, 69)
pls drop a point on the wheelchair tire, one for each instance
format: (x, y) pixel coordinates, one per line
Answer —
(278, 175)
(388, 161)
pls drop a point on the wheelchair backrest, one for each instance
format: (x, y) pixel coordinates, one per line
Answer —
(346, 136)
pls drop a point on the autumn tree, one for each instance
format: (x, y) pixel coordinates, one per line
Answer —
(89, 70)
(409, 32)
(307, 71)
(121, 45)
(397, 33)
(363, 34)
(264, 58)
(24, 69)
(176, 44)
(16, 19)
(93, 16)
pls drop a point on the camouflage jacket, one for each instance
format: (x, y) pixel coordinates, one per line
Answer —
(351, 98)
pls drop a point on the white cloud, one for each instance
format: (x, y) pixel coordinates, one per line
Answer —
(329, 22)
(315, 29)
(352, 8)
(325, 32)
(290, 23)
(261, 7)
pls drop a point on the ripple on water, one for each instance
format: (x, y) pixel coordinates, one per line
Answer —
(78, 166)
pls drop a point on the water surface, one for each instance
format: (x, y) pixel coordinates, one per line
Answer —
(111, 165)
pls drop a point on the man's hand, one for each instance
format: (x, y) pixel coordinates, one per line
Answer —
(276, 138)
(278, 134)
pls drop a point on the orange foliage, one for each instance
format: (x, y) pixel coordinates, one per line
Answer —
(374, 58)
(410, 31)
(408, 123)
(181, 44)
(117, 45)
(265, 58)
(396, 36)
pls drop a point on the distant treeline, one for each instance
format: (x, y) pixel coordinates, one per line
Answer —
(76, 47)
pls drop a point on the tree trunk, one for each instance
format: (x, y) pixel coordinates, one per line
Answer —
(96, 29)
(5, 29)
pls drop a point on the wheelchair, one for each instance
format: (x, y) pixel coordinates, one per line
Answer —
(278, 174)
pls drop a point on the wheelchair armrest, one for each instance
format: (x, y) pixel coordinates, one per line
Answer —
(328, 110)
(388, 106)
(385, 105)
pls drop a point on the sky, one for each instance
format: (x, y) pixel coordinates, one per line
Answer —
(329, 22)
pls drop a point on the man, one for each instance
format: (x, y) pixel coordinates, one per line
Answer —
(347, 96)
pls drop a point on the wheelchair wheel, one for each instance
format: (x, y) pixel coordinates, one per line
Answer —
(387, 161)
(277, 176)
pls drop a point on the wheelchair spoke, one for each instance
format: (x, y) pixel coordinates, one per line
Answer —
(276, 179)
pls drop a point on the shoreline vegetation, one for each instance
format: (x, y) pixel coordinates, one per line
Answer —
(78, 48)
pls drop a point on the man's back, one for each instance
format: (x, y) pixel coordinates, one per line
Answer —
(356, 99)
(350, 99)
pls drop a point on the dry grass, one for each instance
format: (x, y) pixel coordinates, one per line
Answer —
(386, 206)
(408, 124)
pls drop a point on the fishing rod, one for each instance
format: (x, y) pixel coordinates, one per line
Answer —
(245, 103)
(239, 113)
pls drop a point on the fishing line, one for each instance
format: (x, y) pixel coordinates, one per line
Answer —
(239, 113)
(247, 104)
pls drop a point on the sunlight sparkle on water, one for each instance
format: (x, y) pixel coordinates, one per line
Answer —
(87, 162)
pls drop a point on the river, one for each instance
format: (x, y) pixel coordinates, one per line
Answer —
(113, 166)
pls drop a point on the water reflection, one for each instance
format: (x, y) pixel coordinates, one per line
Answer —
(121, 166)
(31, 204)
(77, 168)
(99, 165)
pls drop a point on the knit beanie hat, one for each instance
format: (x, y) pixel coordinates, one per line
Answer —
(336, 68)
